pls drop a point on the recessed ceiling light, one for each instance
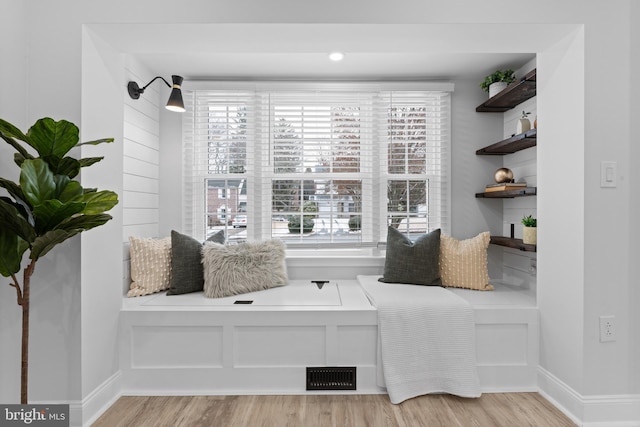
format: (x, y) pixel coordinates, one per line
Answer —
(336, 56)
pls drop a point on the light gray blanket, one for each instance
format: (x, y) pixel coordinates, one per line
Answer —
(427, 338)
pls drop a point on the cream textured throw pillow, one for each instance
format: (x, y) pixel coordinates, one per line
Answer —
(463, 263)
(245, 267)
(150, 265)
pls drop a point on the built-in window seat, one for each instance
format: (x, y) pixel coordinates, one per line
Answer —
(189, 344)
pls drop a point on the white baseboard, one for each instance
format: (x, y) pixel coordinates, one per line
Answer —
(590, 411)
(100, 399)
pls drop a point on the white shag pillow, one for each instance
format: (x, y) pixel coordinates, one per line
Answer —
(245, 267)
(463, 263)
(150, 265)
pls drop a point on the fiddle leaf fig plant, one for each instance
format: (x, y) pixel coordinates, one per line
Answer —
(46, 207)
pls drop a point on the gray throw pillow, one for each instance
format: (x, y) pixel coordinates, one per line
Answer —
(245, 267)
(410, 262)
(186, 262)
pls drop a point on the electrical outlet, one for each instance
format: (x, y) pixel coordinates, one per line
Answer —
(607, 328)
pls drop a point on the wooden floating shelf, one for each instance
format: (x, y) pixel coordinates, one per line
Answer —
(518, 142)
(508, 194)
(514, 94)
(512, 243)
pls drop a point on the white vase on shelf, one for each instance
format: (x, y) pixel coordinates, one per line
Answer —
(524, 124)
(530, 235)
(496, 88)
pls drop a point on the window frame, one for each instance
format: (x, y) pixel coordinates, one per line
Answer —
(258, 202)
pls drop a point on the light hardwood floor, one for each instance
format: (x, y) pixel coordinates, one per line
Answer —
(491, 410)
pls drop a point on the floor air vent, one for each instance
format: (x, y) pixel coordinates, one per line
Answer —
(331, 378)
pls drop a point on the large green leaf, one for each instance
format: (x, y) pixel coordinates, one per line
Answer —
(72, 190)
(63, 166)
(12, 188)
(10, 133)
(9, 130)
(83, 222)
(98, 202)
(19, 200)
(19, 148)
(37, 181)
(52, 212)
(12, 248)
(11, 219)
(50, 137)
(23, 209)
(88, 161)
(43, 244)
(95, 142)
(61, 182)
(18, 158)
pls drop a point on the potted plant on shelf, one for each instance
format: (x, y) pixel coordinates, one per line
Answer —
(529, 231)
(44, 208)
(497, 82)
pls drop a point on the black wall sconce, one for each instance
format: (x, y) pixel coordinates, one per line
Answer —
(175, 102)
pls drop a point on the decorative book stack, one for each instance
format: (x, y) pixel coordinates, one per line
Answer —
(505, 186)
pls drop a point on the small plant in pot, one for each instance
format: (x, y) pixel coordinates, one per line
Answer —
(497, 82)
(529, 231)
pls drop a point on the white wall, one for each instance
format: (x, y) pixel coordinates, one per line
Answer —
(607, 221)
(561, 286)
(55, 292)
(471, 131)
(102, 116)
(171, 179)
(12, 109)
(141, 195)
(634, 212)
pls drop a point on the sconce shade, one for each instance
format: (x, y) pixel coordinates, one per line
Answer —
(175, 102)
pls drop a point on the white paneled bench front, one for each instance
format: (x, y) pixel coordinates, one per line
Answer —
(189, 344)
(262, 342)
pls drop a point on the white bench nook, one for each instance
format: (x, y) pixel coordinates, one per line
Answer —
(192, 345)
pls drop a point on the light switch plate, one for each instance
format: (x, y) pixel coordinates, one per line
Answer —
(608, 174)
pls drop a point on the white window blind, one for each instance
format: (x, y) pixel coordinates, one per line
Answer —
(316, 166)
(416, 161)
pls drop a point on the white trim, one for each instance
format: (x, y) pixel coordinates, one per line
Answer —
(590, 411)
(444, 86)
(75, 409)
(101, 399)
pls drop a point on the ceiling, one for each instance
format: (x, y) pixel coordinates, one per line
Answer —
(300, 51)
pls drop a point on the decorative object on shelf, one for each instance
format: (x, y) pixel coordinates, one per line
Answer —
(45, 207)
(515, 94)
(504, 186)
(530, 230)
(524, 124)
(497, 82)
(503, 175)
(535, 123)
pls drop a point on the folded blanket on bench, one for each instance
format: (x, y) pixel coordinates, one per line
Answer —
(427, 338)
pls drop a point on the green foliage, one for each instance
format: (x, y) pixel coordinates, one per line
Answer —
(506, 76)
(355, 223)
(47, 206)
(529, 221)
(294, 224)
(311, 208)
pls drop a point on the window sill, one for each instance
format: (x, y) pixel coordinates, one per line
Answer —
(357, 257)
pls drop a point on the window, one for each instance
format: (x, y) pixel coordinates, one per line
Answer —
(325, 165)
